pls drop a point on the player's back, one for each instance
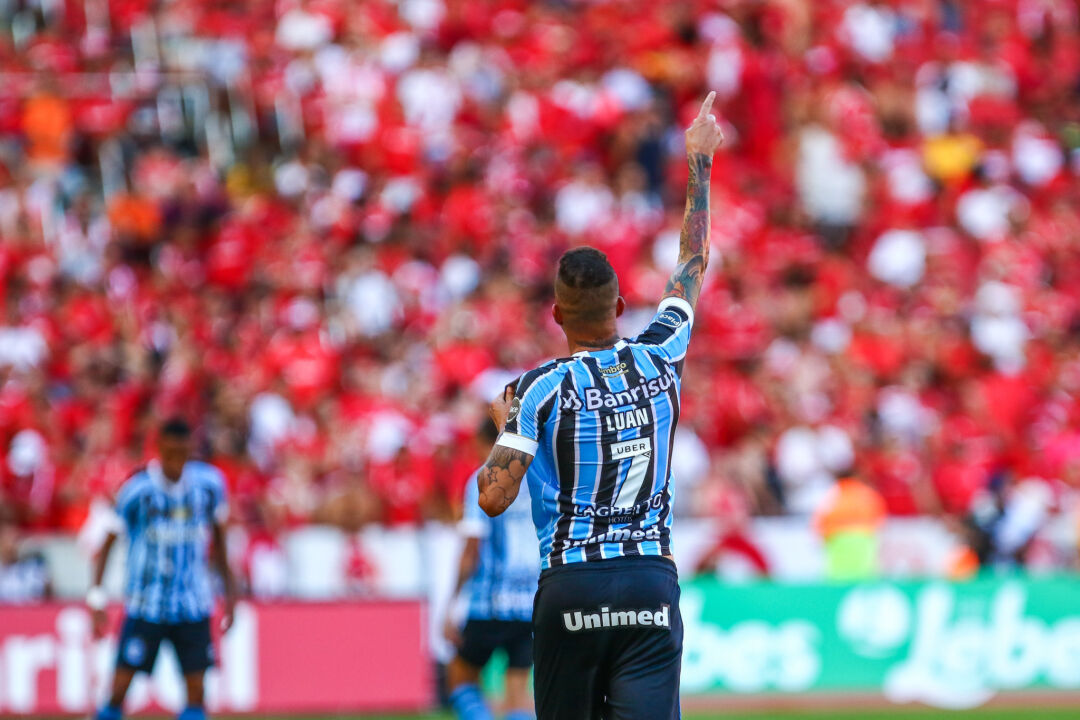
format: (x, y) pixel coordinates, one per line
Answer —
(603, 424)
(169, 526)
(594, 435)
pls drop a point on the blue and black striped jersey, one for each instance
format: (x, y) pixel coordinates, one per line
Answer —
(600, 426)
(169, 526)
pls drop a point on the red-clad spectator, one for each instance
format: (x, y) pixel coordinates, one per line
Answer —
(403, 483)
(326, 227)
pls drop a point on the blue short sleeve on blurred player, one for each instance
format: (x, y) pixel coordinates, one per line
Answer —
(127, 498)
(474, 521)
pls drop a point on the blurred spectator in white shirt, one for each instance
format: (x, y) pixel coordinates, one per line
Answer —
(299, 29)
(583, 203)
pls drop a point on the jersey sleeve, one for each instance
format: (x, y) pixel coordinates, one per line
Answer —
(670, 329)
(474, 522)
(528, 410)
(126, 505)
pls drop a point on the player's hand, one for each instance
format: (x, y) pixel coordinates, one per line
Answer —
(704, 135)
(228, 615)
(99, 622)
(452, 632)
(499, 410)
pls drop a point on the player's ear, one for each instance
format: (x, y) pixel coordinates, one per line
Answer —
(556, 313)
(620, 306)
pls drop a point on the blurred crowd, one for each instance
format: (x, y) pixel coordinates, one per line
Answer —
(325, 232)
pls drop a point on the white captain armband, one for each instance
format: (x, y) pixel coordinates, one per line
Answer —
(518, 442)
(678, 303)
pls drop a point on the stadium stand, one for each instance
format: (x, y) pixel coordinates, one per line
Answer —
(325, 230)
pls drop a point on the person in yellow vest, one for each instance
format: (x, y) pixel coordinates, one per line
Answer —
(848, 520)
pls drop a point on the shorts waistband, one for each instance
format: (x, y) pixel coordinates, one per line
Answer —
(619, 564)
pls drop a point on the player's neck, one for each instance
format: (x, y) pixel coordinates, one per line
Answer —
(172, 477)
(157, 468)
(592, 341)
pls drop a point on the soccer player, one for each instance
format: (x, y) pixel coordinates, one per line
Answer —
(171, 511)
(498, 569)
(594, 431)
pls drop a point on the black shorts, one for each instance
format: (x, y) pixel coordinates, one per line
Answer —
(481, 638)
(140, 640)
(608, 641)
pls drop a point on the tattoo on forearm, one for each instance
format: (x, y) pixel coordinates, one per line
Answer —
(697, 187)
(686, 281)
(500, 479)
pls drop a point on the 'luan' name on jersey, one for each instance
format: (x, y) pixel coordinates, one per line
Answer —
(625, 420)
(600, 426)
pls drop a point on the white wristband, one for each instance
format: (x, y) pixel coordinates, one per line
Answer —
(96, 598)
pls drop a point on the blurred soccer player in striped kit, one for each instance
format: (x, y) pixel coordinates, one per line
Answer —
(171, 511)
(497, 575)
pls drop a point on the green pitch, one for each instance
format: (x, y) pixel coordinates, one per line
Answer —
(1020, 713)
(899, 714)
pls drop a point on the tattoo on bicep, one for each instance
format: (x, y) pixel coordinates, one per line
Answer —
(500, 478)
(686, 281)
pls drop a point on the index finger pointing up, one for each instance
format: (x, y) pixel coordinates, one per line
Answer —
(707, 105)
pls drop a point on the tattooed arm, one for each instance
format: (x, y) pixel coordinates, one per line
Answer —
(703, 137)
(500, 479)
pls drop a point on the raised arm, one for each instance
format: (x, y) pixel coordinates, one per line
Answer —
(703, 137)
(500, 479)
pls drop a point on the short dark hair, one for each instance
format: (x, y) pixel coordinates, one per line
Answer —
(586, 286)
(176, 427)
(584, 268)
